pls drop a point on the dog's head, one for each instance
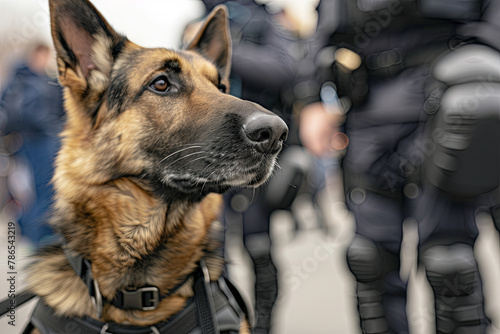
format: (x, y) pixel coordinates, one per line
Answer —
(157, 114)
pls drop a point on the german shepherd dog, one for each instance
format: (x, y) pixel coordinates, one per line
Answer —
(151, 142)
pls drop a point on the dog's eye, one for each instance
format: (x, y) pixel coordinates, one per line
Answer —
(223, 88)
(160, 84)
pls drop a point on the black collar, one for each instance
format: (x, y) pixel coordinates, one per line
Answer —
(146, 298)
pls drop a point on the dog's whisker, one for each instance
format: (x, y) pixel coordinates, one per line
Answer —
(209, 165)
(184, 145)
(178, 151)
(184, 157)
(253, 195)
(207, 179)
(203, 157)
(198, 180)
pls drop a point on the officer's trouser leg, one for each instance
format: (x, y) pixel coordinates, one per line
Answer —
(266, 282)
(380, 291)
(453, 275)
(373, 258)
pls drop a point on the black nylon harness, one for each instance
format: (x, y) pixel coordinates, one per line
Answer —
(226, 318)
(216, 307)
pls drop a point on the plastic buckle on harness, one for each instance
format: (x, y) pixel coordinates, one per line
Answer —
(145, 299)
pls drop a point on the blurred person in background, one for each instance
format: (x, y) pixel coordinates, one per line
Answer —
(419, 85)
(31, 112)
(262, 64)
(265, 51)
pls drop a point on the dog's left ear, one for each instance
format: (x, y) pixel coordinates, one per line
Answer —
(214, 42)
(86, 47)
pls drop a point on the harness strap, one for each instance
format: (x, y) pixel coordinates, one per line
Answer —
(204, 302)
(12, 303)
(47, 322)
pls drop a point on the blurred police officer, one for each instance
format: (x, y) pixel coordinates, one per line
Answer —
(419, 83)
(262, 66)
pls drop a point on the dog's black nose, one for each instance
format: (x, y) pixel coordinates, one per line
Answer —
(266, 132)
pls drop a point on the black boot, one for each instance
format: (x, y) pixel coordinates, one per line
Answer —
(454, 277)
(266, 283)
(381, 292)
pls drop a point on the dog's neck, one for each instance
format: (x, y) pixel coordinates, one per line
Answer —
(132, 238)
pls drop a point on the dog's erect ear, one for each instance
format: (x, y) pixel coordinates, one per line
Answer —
(86, 47)
(213, 40)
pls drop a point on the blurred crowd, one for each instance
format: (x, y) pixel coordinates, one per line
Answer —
(399, 97)
(31, 117)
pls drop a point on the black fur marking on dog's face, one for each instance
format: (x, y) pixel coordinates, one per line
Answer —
(118, 89)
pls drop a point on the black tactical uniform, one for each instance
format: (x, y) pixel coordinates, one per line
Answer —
(419, 82)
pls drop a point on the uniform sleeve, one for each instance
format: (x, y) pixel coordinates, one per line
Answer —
(315, 68)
